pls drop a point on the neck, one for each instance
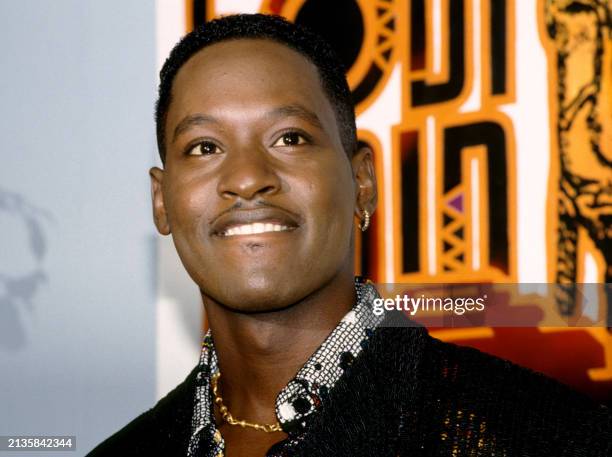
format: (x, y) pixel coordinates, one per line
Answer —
(260, 353)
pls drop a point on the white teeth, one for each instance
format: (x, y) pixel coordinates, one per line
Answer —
(255, 228)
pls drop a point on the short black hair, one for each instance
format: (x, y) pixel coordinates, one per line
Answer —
(275, 28)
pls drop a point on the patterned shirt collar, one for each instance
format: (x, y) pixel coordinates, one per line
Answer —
(299, 400)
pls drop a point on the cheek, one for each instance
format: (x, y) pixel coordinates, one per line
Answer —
(187, 207)
(335, 200)
(187, 215)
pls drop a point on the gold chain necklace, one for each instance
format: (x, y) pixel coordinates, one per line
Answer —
(227, 416)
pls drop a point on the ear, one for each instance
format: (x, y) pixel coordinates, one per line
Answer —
(159, 210)
(365, 179)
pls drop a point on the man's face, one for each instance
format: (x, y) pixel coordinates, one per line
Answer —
(257, 190)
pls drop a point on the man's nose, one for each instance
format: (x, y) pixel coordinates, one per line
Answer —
(247, 174)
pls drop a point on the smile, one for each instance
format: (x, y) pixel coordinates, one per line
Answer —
(254, 229)
(254, 222)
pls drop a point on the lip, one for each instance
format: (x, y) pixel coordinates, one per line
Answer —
(248, 216)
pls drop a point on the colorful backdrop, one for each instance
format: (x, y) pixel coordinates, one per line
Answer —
(491, 126)
(490, 122)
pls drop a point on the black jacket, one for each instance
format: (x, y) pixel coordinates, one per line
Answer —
(409, 394)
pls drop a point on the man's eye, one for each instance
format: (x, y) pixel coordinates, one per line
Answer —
(203, 148)
(290, 139)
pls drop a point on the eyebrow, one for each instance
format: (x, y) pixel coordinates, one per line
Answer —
(298, 111)
(193, 120)
(294, 110)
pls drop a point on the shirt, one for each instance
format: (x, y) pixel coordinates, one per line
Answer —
(302, 397)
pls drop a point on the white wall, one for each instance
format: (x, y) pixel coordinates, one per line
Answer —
(77, 245)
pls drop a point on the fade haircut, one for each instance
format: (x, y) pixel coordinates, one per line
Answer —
(274, 28)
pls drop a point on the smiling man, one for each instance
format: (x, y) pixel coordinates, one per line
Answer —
(262, 186)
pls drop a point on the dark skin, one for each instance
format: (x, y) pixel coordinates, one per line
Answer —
(252, 138)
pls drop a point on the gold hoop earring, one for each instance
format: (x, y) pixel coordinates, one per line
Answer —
(365, 222)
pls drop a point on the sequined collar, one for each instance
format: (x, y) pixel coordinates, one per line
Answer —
(299, 400)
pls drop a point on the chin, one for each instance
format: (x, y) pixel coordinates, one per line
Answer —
(248, 300)
(261, 308)
(262, 292)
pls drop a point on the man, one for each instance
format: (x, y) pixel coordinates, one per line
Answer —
(263, 183)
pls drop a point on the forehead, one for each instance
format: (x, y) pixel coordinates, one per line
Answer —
(249, 74)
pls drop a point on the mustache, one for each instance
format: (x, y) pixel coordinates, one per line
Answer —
(256, 204)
